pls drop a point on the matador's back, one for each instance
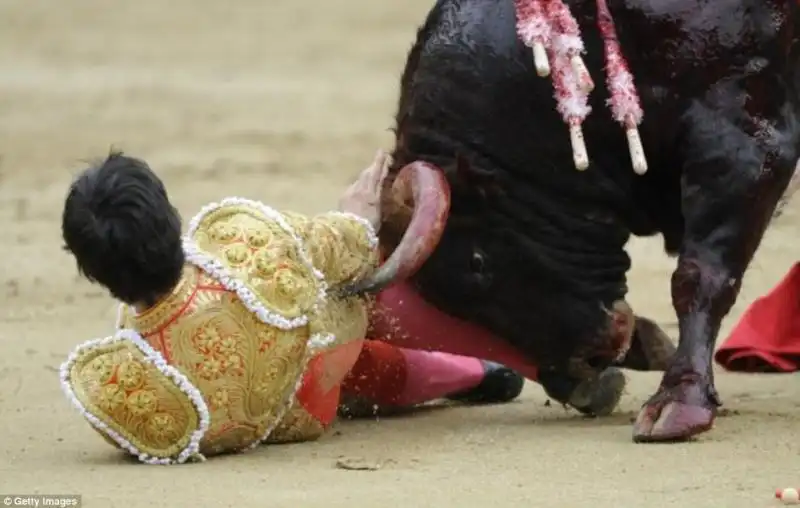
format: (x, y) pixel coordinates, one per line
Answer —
(215, 366)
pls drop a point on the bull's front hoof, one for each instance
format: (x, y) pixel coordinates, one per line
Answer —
(676, 414)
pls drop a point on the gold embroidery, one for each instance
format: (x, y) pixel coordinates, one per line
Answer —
(162, 427)
(110, 397)
(288, 290)
(100, 369)
(264, 265)
(158, 418)
(148, 321)
(245, 369)
(296, 426)
(130, 375)
(263, 256)
(237, 254)
(232, 438)
(224, 232)
(346, 319)
(258, 238)
(219, 399)
(142, 402)
(339, 246)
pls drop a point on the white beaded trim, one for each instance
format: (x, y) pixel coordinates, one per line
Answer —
(280, 220)
(154, 358)
(320, 341)
(372, 237)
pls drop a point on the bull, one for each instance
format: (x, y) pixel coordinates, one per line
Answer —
(487, 217)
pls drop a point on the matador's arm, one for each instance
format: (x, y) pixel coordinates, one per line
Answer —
(343, 246)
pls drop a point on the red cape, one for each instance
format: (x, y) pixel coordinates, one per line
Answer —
(767, 338)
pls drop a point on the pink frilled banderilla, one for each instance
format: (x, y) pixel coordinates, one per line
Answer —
(550, 30)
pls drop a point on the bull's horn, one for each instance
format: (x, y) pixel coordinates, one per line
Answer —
(427, 185)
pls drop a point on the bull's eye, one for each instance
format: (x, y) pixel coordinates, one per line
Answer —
(477, 264)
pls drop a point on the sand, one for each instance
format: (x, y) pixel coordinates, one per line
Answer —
(285, 101)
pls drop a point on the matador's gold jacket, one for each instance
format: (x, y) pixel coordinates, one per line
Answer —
(219, 364)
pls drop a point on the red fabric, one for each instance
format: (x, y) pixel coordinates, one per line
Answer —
(767, 338)
(320, 388)
(404, 319)
(322, 407)
(379, 374)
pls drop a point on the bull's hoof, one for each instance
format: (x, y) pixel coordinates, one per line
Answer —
(676, 414)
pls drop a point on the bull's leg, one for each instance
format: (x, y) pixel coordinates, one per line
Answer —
(651, 348)
(731, 184)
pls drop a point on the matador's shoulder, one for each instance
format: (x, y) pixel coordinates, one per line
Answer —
(255, 250)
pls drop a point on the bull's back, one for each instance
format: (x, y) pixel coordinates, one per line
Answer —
(473, 83)
(470, 89)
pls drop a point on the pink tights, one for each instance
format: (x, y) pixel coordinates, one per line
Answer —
(388, 375)
(404, 319)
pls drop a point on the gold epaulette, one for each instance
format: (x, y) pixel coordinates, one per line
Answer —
(129, 394)
(252, 248)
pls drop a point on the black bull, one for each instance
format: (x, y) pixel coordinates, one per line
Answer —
(533, 249)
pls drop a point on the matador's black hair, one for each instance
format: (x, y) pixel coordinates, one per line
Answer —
(123, 231)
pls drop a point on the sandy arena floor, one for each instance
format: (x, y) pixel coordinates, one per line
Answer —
(285, 101)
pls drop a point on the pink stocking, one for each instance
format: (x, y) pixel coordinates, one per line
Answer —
(404, 319)
(432, 375)
(391, 376)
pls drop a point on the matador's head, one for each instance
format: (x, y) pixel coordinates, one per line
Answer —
(123, 231)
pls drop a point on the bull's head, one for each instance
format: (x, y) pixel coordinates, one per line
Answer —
(485, 272)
